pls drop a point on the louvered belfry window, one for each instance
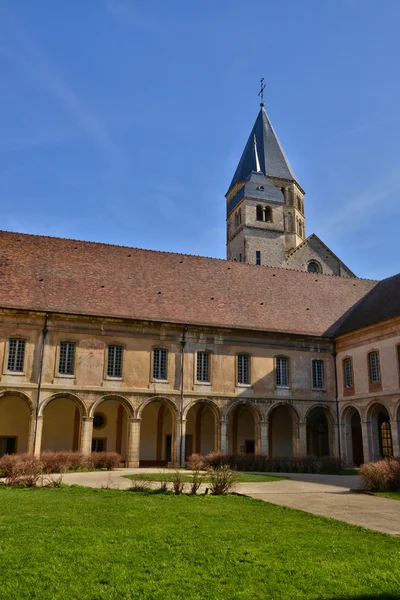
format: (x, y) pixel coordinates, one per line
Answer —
(203, 367)
(282, 371)
(243, 365)
(114, 364)
(318, 375)
(16, 355)
(67, 358)
(160, 364)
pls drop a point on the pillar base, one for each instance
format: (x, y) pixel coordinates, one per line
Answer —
(132, 464)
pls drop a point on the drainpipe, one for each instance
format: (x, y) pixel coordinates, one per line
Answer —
(337, 403)
(183, 344)
(44, 335)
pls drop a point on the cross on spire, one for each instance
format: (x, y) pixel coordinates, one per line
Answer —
(261, 92)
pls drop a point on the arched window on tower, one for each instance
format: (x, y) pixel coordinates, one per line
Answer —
(314, 267)
(268, 214)
(260, 213)
(239, 216)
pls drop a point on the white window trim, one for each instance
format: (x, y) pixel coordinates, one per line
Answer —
(106, 375)
(57, 374)
(323, 388)
(152, 378)
(243, 385)
(196, 381)
(6, 354)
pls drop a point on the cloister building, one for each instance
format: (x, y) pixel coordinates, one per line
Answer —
(279, 350)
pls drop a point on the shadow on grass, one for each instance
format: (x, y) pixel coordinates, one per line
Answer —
(368, 597)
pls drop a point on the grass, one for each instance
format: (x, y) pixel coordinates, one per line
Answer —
(187, 477)
(393, 495)
(77, 543)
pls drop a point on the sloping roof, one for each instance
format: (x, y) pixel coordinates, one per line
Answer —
(314, 237)
(272, 159)
(66, 276)
(380, 304)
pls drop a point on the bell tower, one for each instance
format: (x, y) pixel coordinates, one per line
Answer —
(265, 203)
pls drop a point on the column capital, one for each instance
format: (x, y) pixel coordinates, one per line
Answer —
(135, 419)
(87, 419)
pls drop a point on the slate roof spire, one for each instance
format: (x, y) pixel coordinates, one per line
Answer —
(263, 152)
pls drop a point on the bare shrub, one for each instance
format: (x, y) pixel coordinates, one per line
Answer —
(282, 464)
(53, 482)
(22, 470)
(140, 486)
(381, 476)
(222, 480)
(105, 460)
(178, 483)
(214, 459)
(195, 462)
(197, 465)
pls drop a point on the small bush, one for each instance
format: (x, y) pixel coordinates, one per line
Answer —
(21, 470)
(381, 476)
(140, 486)
(105, 460)
(178, 483)
(195, 462)
(260, 462)
(222, 480)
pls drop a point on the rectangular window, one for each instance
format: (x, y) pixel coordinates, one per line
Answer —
(160, 364)
(114, 363)
(282, 371)
(348, 373)
(99, 444)
(243, 374)
(240, 257)
(318, 374)
(203, 366)
(374, 371)
(67, 358)
(16, 355)
(258, 257)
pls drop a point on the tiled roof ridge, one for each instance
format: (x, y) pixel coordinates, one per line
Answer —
(280, 269)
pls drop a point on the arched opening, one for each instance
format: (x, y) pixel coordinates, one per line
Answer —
(381, 432)
(282, 432)
(15, 416)
(314, 267)
(242, 430)
(268, 214)
(319, 433)
(354, 453)
(260, 213)
(157, 435)
(201, 430)
(110, 427)
(61, 425)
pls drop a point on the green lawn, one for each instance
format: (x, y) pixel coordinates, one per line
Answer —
(393, 495)
(87, 544)
(242, 477)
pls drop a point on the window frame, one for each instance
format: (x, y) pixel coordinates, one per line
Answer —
(156, 379)
(348, 389)
(58, 359)
(258, 258)
(249, 367)
(7, 356)
(287, 384)
(114, 377)
(200, 381)
(314, 387)
(374, 385)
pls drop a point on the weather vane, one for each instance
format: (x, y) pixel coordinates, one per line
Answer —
(261, 92)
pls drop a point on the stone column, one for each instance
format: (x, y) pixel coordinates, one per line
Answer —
(223, 444)
(31, 434)
(182, 428)
(38, 436)
(365, 427)
(395, 437)
(302, 439)
(264, 426)
(133, 443)
(85, 444)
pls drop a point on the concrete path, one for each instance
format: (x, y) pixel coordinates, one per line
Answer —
(324, 495)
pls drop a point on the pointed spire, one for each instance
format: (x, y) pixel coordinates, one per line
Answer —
(263, 152)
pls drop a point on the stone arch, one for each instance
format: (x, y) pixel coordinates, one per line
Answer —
(62, 422)
(244, 427)
(320, 428)
(79, 402)
(111, 433)
(172, 405)
(16, 421)
(352, 437)
(380, 432)
(283, 422)
(18, 394)
(126, 403)
(202, 427)
(158, 419)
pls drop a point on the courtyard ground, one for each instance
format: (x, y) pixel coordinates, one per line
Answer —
(324, 495)
(89, 544)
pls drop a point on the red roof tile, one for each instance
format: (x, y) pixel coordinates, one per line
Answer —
(67, 276)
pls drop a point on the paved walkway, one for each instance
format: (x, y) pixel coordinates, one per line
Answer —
(325, 495)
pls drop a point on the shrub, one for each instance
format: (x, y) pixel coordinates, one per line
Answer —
(195, 462)
(105, 460)
(222, 480)
(381, 476)
(140, 486)
(215, 459)
(178, 482)
(197, 466)
(260, 462)
(22, 470)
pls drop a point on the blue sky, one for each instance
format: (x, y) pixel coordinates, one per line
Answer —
(123, 121)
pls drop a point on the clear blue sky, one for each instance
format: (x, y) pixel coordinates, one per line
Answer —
(123, 121)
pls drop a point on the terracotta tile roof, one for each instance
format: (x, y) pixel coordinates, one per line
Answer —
(380, 304)
(87, 278)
